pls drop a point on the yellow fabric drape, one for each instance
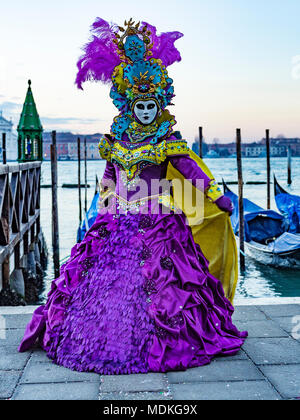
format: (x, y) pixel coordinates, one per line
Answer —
(214, 235)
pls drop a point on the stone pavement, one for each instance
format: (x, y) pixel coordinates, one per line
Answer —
(267, 368)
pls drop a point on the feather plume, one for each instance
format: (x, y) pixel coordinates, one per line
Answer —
(100, 54)
(101, 57)
(163, 45)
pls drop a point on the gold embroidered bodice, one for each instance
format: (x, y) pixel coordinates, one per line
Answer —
(133, 157)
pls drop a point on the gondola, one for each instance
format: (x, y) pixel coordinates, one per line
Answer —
(90, 215)
(267, 236)
(288, 205)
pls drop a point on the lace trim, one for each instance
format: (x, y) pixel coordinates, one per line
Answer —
(134, 205)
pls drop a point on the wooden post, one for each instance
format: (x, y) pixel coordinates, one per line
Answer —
(97, 188)
(268, 170)
(38, 222)
(85, 176)
(201, 142)
(241, 198)
(79, 180)
(55, 234)
(4, 148)
(5, 220)
(17, 256)
(289, 153)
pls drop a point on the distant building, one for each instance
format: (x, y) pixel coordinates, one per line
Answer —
(278, 148)
(67, 146)
(195, 147)
(222, 149)
(212, 154)
(254, 150)
(11, 139)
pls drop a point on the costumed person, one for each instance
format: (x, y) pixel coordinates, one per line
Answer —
(148, 288)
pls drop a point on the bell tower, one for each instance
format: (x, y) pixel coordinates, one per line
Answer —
(30, 139)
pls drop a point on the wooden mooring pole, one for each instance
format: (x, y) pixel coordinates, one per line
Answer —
(55, 232)
(97, 187)
(79, 180)
(268, 169)
(5, 218)
(4, 148)
(85, 176)
(241, 199)
(201, 142)
(289, 153)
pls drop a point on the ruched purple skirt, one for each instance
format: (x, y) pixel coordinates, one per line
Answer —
(135, 296)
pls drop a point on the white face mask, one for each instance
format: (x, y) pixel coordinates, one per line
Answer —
(145, 111)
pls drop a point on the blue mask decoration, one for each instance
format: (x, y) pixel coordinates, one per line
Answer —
(134, 48)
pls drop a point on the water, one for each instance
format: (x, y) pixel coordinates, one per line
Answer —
(258, 281)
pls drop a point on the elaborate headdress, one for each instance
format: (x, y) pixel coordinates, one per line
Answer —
(134, 60)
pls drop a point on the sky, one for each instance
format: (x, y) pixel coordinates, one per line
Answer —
(240, 63)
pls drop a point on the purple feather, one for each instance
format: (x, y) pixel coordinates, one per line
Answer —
(163, 45)
(100, 55)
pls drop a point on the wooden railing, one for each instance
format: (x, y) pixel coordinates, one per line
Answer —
(19, 216)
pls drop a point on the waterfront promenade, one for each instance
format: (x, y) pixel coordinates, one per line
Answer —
(267, 368)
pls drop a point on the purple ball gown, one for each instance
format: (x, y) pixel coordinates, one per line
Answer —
(136, 294)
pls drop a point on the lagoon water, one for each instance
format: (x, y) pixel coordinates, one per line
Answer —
(258, 281)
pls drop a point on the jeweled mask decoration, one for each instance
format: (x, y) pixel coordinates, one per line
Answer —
(133, 59)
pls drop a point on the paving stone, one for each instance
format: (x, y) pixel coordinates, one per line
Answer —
(276, 311)
(246, 313)
(233, 377)
(39, 356)
(221, 371)
(288, 323)
(247, 390)
(241, 355)
(272, 351)
(11, 337)
(58, 391)
(17, 321)
(147, 396)
(286, 379)
(8, 382)
(261, 328)
(49, 372)
(134, 382)
(11, 359)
